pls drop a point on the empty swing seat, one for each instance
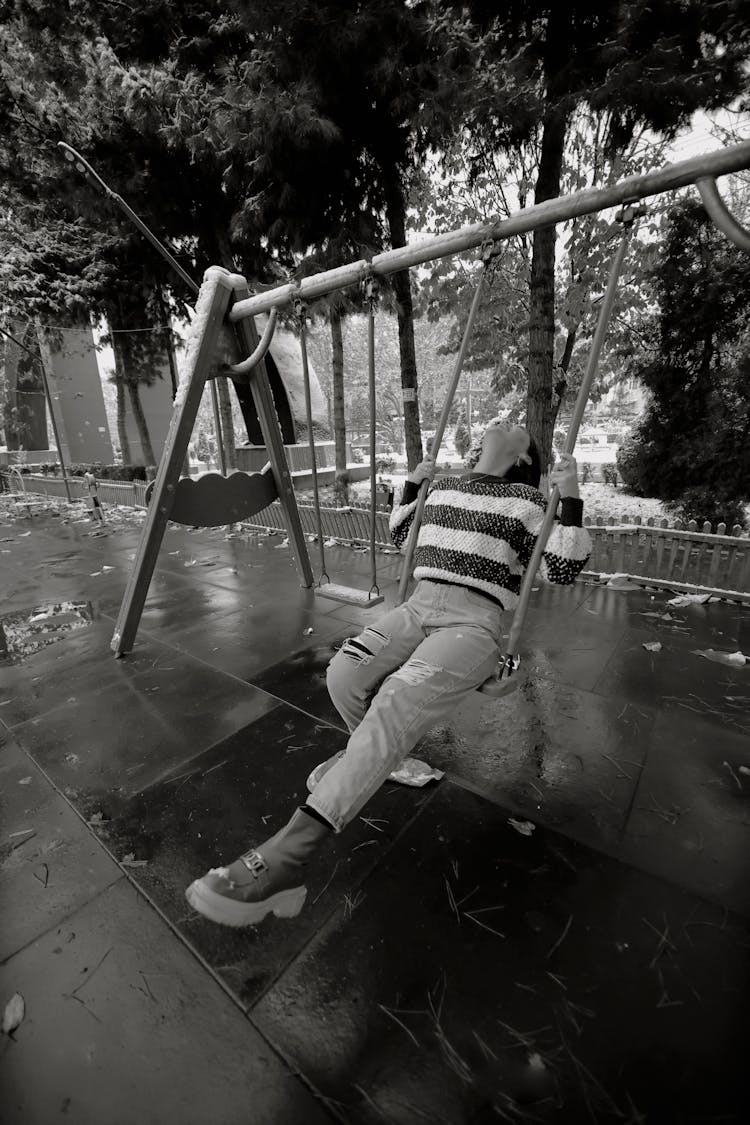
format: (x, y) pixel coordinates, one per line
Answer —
(213, 500)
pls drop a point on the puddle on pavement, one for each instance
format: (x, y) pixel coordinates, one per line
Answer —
(24, 633)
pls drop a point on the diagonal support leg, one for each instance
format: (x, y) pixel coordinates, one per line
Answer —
(269, 425)
(211, 307)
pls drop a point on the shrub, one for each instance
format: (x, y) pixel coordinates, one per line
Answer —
(385, 464)
(633, 465)
(699, 503)
(609, 472)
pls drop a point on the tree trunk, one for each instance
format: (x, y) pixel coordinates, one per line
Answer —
(396, 215)
(141, 424)
(227, 423)
(225, 403)
(122, 431)
(337, 390)
(542, 404)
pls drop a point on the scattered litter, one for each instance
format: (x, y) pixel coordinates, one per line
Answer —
(652, 646)
(191, 562)
(415, 773)
(72, 759)
(307, 632)
(95, 574)
(689, 599)
(27, 833)
(331, 542)
(744, 769)
(24, 534)
(13, 1016)
(106, 568)
(28, 780)
(97, 818)
(620, 582)
(732, 659)
(280, 546)
(525, 827)
(129, 860)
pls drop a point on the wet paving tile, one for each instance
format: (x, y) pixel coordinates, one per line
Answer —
(50, 863)
(552, 753)
(113, 742)
(121, 1027)
(671, 675)
(76, 670)
(239, 793)
(487, 975)
(690, 818)
(301, 681)
(253, 637)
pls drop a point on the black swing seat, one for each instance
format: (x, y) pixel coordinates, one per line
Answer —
(213, 500)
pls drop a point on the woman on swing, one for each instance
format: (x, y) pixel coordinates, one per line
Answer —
(400, 677)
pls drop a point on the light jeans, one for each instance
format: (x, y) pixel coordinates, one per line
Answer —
(420, 660)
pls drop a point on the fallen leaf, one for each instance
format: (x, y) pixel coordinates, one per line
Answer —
(689, 599)
(620, 582)
(733, 659)
(129, 860)
(652, 646)
(525, 827)
(14, 1013)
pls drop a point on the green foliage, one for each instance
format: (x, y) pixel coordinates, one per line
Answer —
(461, 438)
(692, 447)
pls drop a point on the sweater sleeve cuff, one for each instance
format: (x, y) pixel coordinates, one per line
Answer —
(411, 492)
(571, 511)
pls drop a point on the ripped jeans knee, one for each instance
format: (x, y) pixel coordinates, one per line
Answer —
(361, 650)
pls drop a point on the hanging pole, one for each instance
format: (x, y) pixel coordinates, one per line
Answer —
(488, 253)
(82, 165)
(627, 217)
(48, 397)
(299, 310)
(371, 294)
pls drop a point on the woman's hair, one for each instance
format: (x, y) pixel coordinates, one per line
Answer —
(524, 473)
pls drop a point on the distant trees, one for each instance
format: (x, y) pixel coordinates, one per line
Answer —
(692, 447)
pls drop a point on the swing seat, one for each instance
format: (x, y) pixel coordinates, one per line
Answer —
(212, 500)
(349, 595)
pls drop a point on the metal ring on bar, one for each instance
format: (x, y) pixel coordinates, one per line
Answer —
(720, 214)
(247, 365)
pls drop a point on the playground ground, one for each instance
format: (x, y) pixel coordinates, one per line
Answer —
(557, 931)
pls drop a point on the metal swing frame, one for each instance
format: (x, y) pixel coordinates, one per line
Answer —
(224, 298)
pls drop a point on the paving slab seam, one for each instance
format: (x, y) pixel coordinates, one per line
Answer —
(610, 853)
(124, 873)
(231, 676)
(426, 800)
(62, 919)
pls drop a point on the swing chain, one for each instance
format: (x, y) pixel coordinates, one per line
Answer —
(299, 308)
(371, 289)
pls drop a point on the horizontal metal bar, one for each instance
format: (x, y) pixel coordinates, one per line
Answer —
(551, 211)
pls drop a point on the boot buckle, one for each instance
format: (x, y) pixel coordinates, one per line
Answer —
(255, 863)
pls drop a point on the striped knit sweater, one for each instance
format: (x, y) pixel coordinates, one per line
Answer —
(479, 531)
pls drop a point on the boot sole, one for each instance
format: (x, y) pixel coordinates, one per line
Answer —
(230, 912)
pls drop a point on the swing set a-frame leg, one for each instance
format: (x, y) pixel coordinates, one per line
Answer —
(211, 307)
(260, 389)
